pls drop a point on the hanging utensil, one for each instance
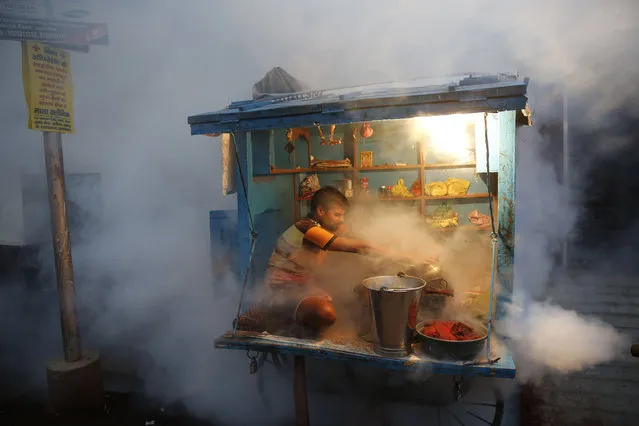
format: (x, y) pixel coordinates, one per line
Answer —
(292, 135)
(366, 131)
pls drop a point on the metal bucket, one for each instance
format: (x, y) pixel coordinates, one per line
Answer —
(394, 302)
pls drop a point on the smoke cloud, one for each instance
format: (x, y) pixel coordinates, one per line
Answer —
(546, 338)
(144, 279)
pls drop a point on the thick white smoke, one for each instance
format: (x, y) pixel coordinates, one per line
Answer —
(167, 60)
(544, 337)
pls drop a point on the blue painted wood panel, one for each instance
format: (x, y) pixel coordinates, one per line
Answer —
(360, 115)
(393, 141)
(269, 192)
(457, 90)
(506, 202)
(261, 153)
(243, 234)
(494, 135)
(363, 352)
(222, 225)
(280, 157)
(269, 225)
(223, 229)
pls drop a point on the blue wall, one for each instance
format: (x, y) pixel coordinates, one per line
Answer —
(271, 197)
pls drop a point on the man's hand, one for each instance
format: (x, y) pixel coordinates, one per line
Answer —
(421, 261)
(431, 260)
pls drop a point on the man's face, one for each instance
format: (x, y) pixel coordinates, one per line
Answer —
(332, 217)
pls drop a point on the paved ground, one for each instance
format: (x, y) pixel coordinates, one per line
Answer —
(119, 409)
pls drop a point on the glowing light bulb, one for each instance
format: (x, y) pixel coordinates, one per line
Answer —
(448, 136)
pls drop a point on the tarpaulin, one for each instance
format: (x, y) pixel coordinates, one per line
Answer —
(277, 81)
(229, 163)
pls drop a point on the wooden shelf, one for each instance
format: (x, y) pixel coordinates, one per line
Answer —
(436, 166)
(390, 167)
(427, 198)
(399, 198)
(462, 227)
(371, 169)
(312, 170)
(455, 197)
(443, 197)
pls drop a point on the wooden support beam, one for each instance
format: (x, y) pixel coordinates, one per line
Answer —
(299, 392)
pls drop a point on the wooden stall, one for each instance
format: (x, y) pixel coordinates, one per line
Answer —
(417, 138)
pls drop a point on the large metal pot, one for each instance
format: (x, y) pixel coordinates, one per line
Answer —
(426, 272)
(394, 302)
(432, 272)
(436, 292)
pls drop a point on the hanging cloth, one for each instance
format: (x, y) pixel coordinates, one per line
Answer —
(229, 168)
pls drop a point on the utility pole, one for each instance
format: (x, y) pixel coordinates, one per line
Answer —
(75, 380)
(62, 246)
(566, 172)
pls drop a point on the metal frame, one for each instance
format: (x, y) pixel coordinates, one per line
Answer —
(506, 181)
(503, 368)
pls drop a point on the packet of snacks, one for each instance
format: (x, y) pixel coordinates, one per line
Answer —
(308, 186)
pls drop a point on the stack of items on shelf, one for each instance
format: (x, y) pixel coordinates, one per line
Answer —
(452, 186)
(443, 217)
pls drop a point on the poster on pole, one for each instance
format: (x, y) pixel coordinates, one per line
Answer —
(48, 90)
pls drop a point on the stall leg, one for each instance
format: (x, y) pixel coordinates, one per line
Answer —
(299, 391)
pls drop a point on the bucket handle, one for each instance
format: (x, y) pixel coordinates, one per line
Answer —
(400, 274)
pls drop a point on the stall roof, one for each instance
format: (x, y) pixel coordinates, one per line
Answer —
(434, 96)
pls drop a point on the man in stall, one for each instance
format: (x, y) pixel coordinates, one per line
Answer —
(290, 290)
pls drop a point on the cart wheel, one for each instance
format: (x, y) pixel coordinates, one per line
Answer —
(436, 402)
(488, 410)
(471, 412)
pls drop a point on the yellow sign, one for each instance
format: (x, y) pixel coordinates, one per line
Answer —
(46, 75)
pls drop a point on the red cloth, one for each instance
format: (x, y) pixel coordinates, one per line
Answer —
(450, 330)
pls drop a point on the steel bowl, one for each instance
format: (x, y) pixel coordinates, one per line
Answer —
(432, 272)
(463, 350)
(426, 272)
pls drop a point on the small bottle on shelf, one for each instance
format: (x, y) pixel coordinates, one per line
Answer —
(364, 185)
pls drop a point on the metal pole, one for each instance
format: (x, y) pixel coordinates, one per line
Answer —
(300, 395)
(62, 245)
(566, 170)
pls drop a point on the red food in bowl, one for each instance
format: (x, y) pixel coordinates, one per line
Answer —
(450, 330)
